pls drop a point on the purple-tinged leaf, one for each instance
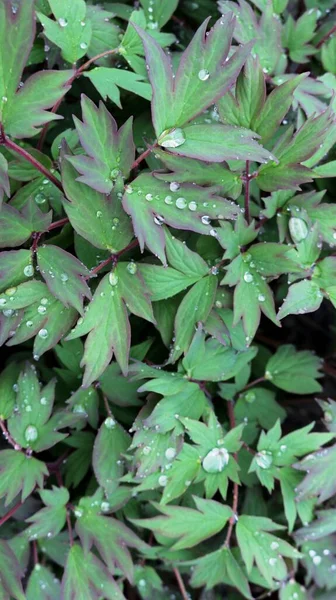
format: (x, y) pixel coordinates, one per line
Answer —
(64, 275)
(151, 203)
(216, 143)
(15, 267)
(187, 170)
(4, 180)
(11, 573)
(110, 152)
(25, 114)
(14, 228)
(203, 76)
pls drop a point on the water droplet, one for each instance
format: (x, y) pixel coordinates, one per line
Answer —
(4, 99)
(146, 450)
(216, 460)
(248, 277)
(44, 300)
(62, 22)
(9, 312)
(83, 45)
(29, 323)
(129, 189)
(149, 197)
(43, 401)
(3, 301)
(264, 459)
(99, 214)
(78, 512)
(317, 559)
(170, 453)
(298, 229)
(64, 277)
(274, 545)
(109, 423)
(105, 506)
(10, 291)
(172, 139)
(192, 205)
(28, 271)
(174, 186)
(43, 333)
(203, 74)
(261, 298)
(206, 220)
(158, 220)
(41, 310)
(132, 268)
(272, 562)
(163, 480)
(31, 433)
(181, 203)
(113, 278)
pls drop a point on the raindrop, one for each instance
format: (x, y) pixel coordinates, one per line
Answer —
(83, 45)
(264, 459)
(43, 333)
(192, 205)
(113, 278)
(132, 268)
(206, 220)
(31, 433)
(216, 460)
(149, 197)
(163, 480)
(248, 277)
(261, 298)
(44, 300)
(109, 423)
(41, 310)
(170, 453)
(158, 220)
(168, 200)
(62, 22)
(181, 203)
(203, 74)
(28, 271)
(174, 186)
(64, 277)
(172, 139)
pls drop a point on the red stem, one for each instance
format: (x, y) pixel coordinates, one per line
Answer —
(68, 520)
(8, 437)
(326, 36)
(113, 258)
(143, 156)
(247, 192)
(5, 141)
(59, 223)
(35, 553)
(181, 585)
(10, 513)
(253, 384)
(232, 521)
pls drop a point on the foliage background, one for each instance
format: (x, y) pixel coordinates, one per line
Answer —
(167, 299)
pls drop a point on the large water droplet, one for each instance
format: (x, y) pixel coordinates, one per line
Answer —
(203, 74)
(172, 139)
(163, 480)
(206, 220)
(174, 186)
(298, 229)
(109, 423)
(28, 271)
(64, 277)
(41, 310)
(264, 459)
(132, 268)
(43, 333)
(192, 205)
(113, 278)
(31, 433)
(181, 203)
(216, 460)
(248, 277)
(62, 22)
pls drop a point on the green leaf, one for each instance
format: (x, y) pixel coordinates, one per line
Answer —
(15, 267)
(187, 525)
(49, 521)
(70, 32)
(11, 573)
(111, 537)
(297, 34)
(17, 34)
(96, 217)
(105, 33)
(121, 288)
(159, 12)
(108, 80)
(219, 567)
(265, 549)
(258, 404)
(42, 584)
(328, 53)
(85, 576)
(64, 276)
(292, 589)
(164, 282)
(19, 473)
(110, 152)
(8, 379)
(149, 200)
(303, 297)
(319, 480)
(294, 371)
(177, 101)
(30, 424)
(111, 443)
(45, 317)
(194, 308)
